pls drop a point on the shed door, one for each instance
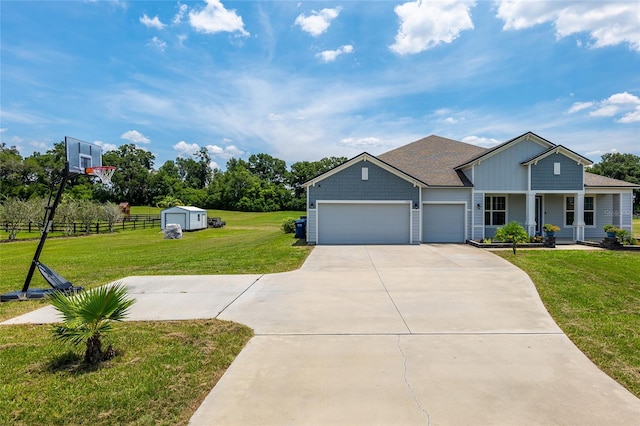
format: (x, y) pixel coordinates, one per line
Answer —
(363, 223)
(443, 223)
(179, 218)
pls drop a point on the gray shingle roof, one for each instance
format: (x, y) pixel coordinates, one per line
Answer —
(591, 179)
(433, 160)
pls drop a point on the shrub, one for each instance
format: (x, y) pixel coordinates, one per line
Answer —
(513, 233)
(289, 225)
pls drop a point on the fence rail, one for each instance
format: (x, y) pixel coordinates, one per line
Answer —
(94, 227)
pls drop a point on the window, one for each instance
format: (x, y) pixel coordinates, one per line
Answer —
(365, 173)
(556, 168)
(495, 211)
(589, 211)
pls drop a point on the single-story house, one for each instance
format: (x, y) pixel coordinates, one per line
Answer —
(438, 190)
(189, 218)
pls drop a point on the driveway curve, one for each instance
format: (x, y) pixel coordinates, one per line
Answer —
(381, 335)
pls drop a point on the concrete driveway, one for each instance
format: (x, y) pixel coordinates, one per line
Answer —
(380, 335)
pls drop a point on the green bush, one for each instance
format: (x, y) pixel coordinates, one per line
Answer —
(512, 233)
(289, 225)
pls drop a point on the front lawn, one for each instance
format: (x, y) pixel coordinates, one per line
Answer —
(165, 369)
(164, 372)
(251, 243)
(594, 296)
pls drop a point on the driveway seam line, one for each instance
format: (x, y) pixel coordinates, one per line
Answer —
(386, 290)
(239, 296)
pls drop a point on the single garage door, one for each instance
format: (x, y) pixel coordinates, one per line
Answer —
(443, 223)
(179, 218)
(363, 223)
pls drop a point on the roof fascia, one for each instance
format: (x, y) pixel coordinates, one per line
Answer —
(557, 150)
(366, 157)
(529, 136)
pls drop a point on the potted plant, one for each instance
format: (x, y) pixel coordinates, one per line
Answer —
(611, 230)
(550, 229)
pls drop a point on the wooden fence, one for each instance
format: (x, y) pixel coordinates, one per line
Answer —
(137, 222)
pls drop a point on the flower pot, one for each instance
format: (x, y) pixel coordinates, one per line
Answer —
(611, 234)
(550, 233)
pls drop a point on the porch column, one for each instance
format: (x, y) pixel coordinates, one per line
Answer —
(530, 221)
(578, 220)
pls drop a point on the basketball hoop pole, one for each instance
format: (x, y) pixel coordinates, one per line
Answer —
(50, 213)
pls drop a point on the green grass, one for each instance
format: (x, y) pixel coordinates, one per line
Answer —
(594, 296)
(636, 228)
(250, 243)
(164, 371)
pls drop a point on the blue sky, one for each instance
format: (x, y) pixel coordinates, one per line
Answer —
(305, 80)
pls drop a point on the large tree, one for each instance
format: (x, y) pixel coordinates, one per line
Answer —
(132, 180)
(623, 167)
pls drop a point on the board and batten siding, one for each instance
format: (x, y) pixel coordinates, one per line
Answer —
(349, 185)
(543, 177)
(503, 171)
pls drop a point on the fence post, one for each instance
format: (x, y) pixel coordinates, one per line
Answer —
(74, 227)
(97, 227)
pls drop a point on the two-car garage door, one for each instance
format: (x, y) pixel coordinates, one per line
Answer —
(364, 223)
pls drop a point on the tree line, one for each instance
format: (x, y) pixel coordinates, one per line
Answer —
(259, 184)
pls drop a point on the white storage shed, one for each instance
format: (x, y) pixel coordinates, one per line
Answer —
(189, 218)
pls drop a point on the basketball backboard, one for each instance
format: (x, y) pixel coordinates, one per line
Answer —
(82, 155)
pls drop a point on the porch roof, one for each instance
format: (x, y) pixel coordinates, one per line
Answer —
(594, 180)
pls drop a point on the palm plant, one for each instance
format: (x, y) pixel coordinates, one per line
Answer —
(513, 233)
(87, 316)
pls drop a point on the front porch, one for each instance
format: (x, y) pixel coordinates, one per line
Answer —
(579, 215)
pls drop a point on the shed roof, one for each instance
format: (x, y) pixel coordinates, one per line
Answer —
(187, 208)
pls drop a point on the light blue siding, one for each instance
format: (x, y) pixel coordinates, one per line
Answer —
(570, 177)
(312, 232)
(554, 213)
(349, 185)
(517, 209)
(415, 227)
(503, 172)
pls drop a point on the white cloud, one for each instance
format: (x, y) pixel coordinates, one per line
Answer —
(608, 23)
(579, 106)
(181, 39)
(186, 149)
(481, 141)
(135, 137)
(106, 146)
(631, 117)
(214, 18)
(318, 22)
(618, 103)
(362, 142)
(158, 43)
(425, 24)
(331, 55)
(39, 145)
(450, 120)
(182, 10)
(152, 22)
(600, 152)
(605, 111)
(4, 129)
(227, 152)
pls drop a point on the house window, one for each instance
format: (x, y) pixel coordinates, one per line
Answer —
(589, 211)
(365, 173)
(556, 168)
(495, 211)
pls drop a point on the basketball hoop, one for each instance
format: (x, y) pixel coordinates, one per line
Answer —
(103, 172)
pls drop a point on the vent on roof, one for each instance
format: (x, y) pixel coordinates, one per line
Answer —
(365, 173)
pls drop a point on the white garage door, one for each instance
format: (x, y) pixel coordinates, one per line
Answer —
(179, 218)
(363, 223)
(443, 223)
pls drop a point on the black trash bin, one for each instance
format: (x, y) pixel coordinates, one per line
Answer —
(301, 228)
